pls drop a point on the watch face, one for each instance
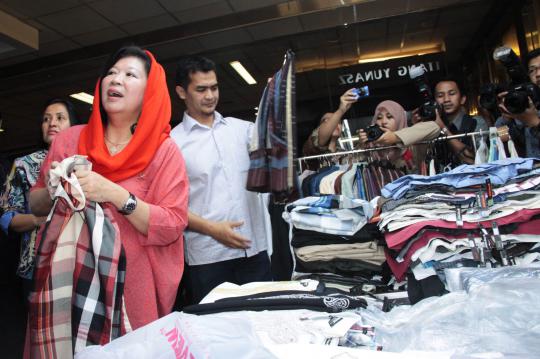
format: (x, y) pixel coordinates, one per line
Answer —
(130, 205)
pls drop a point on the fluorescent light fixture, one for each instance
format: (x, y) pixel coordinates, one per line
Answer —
(238, 67)
(377, 59)
(398, 54)
(83, 96)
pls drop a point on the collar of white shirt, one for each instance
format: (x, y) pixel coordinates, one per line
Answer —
(189, 122)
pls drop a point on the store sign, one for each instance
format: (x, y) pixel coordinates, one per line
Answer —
(397, 69)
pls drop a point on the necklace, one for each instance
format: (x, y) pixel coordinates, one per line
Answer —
(114, 147)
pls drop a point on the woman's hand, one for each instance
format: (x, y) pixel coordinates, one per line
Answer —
(440, 122)
(99, 189)
(346, 100)
(362, 138)
(54, 164)
(388, 138)
(416, 116)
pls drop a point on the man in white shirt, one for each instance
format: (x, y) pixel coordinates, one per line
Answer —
(226, 238)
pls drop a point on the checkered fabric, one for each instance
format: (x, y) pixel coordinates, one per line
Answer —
(79, 277)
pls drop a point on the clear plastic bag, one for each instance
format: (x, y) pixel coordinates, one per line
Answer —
(499, 315)
(469, 278)
(180, 335)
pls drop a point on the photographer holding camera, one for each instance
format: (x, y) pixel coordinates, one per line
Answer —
(389, 127)
(324, 138)
(451, 100)
(521, 115)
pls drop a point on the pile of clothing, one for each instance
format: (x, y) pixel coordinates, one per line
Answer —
(331, 234)
(484, 215)
(359, 180)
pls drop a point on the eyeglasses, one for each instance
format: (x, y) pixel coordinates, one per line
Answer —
(533, 69)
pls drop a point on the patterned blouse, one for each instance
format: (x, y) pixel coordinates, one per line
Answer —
(14, 200)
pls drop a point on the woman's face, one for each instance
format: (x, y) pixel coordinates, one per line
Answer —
(386, 120)
(122, 89)
(55, 119)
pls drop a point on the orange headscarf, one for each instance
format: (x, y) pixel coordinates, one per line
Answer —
(152, 129)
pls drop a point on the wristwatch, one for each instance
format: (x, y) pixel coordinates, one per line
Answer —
(129, 206)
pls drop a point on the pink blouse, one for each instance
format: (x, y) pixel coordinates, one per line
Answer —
(155, 262)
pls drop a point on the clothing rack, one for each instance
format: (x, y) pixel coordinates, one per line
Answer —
(500, 131)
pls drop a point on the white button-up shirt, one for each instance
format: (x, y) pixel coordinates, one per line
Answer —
(217, 163)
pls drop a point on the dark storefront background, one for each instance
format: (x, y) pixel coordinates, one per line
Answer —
(387, 80)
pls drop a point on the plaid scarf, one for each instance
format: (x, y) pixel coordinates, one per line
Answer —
(79, 276)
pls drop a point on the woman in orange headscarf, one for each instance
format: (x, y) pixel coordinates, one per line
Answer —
(138, 174)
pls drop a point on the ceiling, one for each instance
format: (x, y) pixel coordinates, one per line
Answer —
(55, 48)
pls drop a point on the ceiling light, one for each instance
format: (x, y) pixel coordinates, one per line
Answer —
(377, 59)
(1, 129)
(398, 54)
(83, 96)
(238, 67)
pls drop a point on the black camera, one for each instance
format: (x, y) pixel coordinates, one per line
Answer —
(520, 88)
(489, 97)
(428, 109)
(373, 133)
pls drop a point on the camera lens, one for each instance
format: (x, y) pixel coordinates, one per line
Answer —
(516, 101)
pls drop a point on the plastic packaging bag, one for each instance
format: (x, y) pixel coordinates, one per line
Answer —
(499, 315)
(183, 336)
(468, 278)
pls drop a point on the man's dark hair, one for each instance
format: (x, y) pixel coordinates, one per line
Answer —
(189, 65)
(73, 119)
(458, 82)
(532, 55)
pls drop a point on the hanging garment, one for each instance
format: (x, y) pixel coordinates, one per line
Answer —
(79, 274)
(500, 147)
(272, 147)
(360, 183)
(482, 153)
(327, 183)
(493, 145)
(347, 182)
(512, 148)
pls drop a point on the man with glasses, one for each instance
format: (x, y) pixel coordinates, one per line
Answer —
(528, 121)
